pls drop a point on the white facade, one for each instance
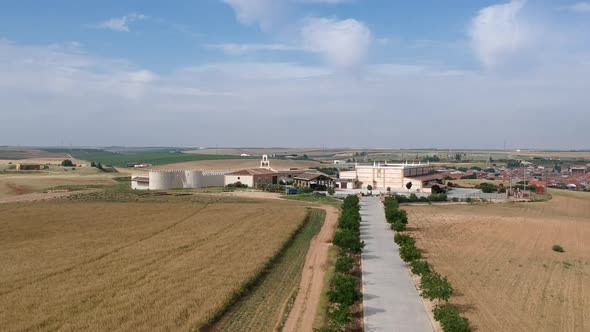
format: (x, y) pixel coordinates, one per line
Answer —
(383, 176)
(243, 179)
(164, 180)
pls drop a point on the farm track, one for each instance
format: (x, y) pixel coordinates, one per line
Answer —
(303, 313)
(262, 308)
(499, 259)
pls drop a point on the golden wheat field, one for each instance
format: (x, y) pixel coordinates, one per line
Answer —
(500, 260)
(74, 265)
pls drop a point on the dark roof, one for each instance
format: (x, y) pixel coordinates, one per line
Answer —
(310, 176)
(254, 171)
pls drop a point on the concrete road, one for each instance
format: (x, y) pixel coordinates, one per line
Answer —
(390, 299)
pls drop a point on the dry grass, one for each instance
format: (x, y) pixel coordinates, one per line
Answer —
(132, 266)
(19, 184)
(499, 258)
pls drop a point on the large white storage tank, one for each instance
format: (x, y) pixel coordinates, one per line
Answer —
(192, 179)
(162, 180)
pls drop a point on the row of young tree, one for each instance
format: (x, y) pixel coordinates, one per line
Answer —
(433, 286)
(413, 198)
(344, 290)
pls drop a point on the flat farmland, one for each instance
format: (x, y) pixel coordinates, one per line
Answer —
(95, 265)
(499, 259)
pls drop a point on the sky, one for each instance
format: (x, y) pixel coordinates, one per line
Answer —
(313, 73)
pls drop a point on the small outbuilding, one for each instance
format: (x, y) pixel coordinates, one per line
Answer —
(315, 181)
(28, 167)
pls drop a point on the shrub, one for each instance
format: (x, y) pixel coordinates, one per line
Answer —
(469, 200)
(420, 267)
(398, 226)
(403, 239)
(67, 163)
(348, 239)
(343, 290)
(450, 319)
(435, 286)
(455, 199)
(409, 252)
(487, 187)
(331, 191)
(438, 197)
(344, 263)
(339, 316)
(92, 164)
(557, 248)
(236, 185)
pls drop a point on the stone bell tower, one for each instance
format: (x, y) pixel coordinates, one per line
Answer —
(265, 163)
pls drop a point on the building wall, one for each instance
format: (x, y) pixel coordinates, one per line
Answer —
(244, 179)
(139, 185)
(162, 180)
(381, 177)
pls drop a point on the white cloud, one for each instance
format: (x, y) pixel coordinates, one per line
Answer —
(499, 32)
(582, 7)
(121, 23)
(262, 12)
(243, 48)
(342, 43)
(48, 90)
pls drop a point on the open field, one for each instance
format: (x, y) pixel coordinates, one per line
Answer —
(167, 265)
(238, 164)
(17, 184)
(499, 258)
(262, 308)
(18, 153)
(151, 157)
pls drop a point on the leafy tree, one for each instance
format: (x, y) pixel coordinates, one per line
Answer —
(92, 164)
(369, 187)
(67, 163)
(388, 189)
(420, 267)
(331, 191)
(398, 226)
(403, 239)
(344, 263)
(450, 319)
(434, 286)
(409, 252)
(343, 290)
(409, 185)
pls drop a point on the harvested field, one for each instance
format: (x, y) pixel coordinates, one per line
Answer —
(262, 309)
(16, 153)
(169, 265)
(500, 260)
(12, 185)
(238, 164)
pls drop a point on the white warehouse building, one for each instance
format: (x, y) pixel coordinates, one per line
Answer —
(393, 176)
(175, 179)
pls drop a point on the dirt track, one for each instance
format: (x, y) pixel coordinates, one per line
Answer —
(306, 304)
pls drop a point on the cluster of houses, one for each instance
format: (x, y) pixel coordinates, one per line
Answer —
(572, 178)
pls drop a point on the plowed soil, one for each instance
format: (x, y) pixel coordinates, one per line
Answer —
(500, 260)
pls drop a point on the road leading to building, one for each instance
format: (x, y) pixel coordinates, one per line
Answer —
(390, 300)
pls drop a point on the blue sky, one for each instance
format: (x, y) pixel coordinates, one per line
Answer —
(221, 72)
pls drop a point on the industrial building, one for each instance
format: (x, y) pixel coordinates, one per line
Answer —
(173, 179)
(397, 177)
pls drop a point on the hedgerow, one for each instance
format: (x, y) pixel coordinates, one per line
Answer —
(343, 292)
